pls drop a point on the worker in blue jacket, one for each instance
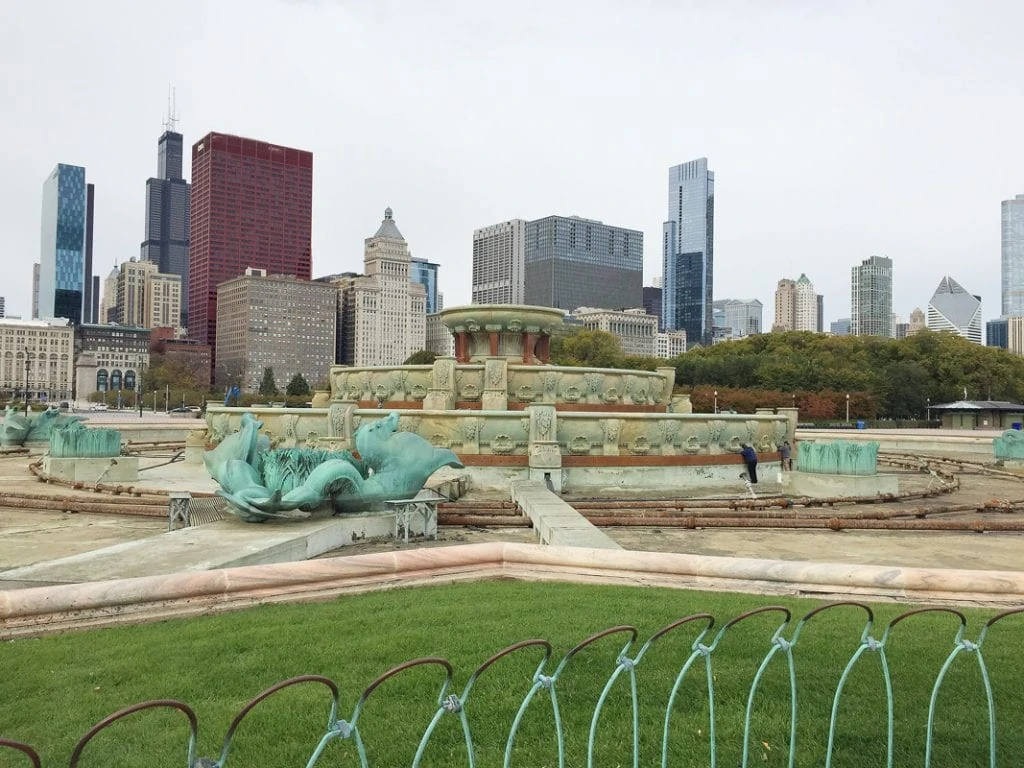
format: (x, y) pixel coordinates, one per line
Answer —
(750, 459)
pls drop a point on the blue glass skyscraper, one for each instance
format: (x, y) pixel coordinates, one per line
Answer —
(688, 251)
(65, 279)
(425, 273)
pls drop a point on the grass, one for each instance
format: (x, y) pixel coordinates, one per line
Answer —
(55, 688)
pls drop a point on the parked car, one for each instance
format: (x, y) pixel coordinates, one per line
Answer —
(180, 409)
(98, 407)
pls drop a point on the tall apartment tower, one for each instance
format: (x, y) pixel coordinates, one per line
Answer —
(65, 258)
(384, 316)
(871, 298)
(953, 309)
(251, 206)
(167, 213)
(498, 263)
(785, 303)
(688, 251)
(1013, 256)
(573, 262)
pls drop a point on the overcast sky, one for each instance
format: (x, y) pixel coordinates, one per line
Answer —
(836, 130)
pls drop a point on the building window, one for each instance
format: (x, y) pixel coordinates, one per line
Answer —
(101, 380)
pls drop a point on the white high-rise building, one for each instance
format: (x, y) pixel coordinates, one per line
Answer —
(499, 254)
(384, 313)
(805, 308)
(953, 309)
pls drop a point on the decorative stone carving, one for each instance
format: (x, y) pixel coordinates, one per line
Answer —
(610, 428)
(470, 431)
(610, 395)
(641, 446)
(580, 445)
(549, 386)
(470, 392)
(313, 440)
(220, 427)
(592, 385)
(408, 424)
(526, 394)
(494, 373)
(571, 394)
(779, 432)
(502, 445)
(418, 391)
(668, 430)
(336, 421)
(440, 441)
(399, 378)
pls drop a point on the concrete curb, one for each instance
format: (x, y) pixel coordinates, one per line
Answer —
(42, 610)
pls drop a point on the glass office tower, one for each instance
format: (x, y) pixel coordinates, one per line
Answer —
(688, 254)
(63, 273)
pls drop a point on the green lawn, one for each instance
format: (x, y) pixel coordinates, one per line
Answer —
(55, 688)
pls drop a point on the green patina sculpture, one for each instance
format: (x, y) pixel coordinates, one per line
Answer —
(1009, 445)
(76, 441)
(842, 457)
(19, 429)
(260, 484)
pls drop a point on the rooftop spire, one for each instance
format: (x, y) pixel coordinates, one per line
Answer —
(171, 121)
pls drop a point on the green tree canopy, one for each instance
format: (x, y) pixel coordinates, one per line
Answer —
(423, 357)
(591, 349)
(268, 387)
(298, 385)
(901, 376)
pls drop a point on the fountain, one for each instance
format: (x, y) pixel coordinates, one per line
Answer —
(508, 414)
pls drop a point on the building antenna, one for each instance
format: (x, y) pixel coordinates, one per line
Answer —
(171, 123)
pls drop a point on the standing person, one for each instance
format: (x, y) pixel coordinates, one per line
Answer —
(785, 452)
(750, 459)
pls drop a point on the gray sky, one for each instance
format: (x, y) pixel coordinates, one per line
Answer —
(836, 130)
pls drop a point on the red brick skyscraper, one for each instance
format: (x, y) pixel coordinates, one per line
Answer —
(252, 206)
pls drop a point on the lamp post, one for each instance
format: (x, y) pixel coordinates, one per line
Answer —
(154, 401)
(847, 407)
(928, 410)
(716, 401)
(26, 381)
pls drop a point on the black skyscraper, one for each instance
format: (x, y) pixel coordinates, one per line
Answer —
(167, 201)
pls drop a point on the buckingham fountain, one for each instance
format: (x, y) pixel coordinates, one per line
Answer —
(500, 410)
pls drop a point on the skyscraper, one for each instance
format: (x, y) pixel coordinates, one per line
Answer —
(498, 254)
(1013, 256)
(688, 250)
(384, 318)
(65, 259)
(871, 298)
(167, 213)
(251, 206)
(425, 273)
(574, 262)
(953, 309)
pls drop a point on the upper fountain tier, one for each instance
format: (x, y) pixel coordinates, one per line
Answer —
(516, 332)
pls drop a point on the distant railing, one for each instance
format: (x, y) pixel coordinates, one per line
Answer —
(701, 661)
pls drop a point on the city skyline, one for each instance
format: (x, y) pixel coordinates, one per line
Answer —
(792, 172)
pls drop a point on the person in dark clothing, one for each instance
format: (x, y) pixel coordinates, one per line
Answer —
(750, 459)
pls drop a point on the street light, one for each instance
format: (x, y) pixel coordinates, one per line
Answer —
(928, 410)
(26, 381)
(847, 407)
(716, 401)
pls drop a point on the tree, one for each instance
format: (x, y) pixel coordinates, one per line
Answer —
(268, 387)
(423, 357)
(590, 349)
(298, 385)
